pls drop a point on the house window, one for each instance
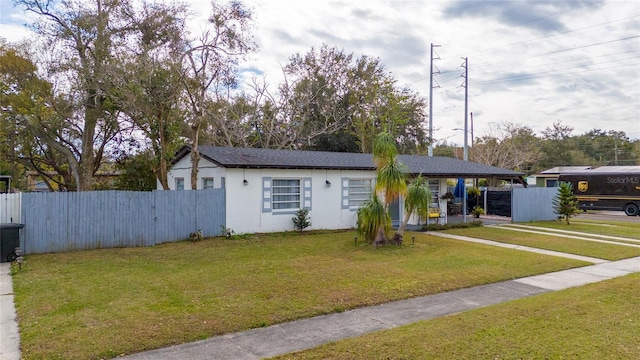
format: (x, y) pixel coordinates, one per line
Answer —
(285, 194)
(207, 183)
(552, 182)
(434, 188)
(359, 191)
(179, 183)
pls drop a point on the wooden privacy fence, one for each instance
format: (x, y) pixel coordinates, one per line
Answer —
(56, 222)
(533, 204)
(10, 208)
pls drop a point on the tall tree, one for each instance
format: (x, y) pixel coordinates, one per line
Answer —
(507, 145)
(147, 91)
(136, 172)
(27, 102)
(209, 67)
(327, 92)
(80, 37)
(555, 146)
(599, 147)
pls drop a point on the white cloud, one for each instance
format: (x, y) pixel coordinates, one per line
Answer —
(530, 62)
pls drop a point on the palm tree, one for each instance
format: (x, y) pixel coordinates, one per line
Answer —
(391, 182)
(416, 200)
(373, 217)
(373, 220)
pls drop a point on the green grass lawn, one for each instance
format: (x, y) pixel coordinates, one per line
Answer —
(622, 229)
(551, 242)
(596, 321)
(102, 303)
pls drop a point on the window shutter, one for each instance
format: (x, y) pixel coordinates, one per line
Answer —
(306, 195)
(266, 194)
(345, 193)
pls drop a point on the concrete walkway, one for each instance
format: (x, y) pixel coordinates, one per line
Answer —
(520, 247)
(9, 335)
(583, 238)
(308, 333)
(581, 235)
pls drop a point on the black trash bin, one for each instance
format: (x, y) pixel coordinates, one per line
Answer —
(9, 241)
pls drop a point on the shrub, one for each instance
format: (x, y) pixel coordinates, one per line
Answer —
(565, 203)
(438, 227)
(301, 220)
(477, 211)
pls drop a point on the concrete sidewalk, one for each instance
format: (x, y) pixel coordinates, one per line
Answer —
(9, 335)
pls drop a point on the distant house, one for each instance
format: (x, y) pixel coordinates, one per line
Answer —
(549, 178)
(630, 169)
(37, 182)
(265, 187)
(5, 184)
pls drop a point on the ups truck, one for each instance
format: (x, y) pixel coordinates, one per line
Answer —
(606, 191)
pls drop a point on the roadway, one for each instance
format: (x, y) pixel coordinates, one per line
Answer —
(608, 216)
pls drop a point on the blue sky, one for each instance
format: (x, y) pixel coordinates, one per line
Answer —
(530, 62)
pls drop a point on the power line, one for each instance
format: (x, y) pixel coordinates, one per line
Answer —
(562, 62)
(553, 35)
(535, 76)
(563, 50)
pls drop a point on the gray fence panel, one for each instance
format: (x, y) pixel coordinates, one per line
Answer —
(211, 211)
(45, 219)
(174, 215)
(180, 213)
(10, 208)
(56, 222)
(533, 204)
(134, 225)
(86, 221)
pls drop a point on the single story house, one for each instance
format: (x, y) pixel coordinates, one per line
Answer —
(265, 187)
(549, 177)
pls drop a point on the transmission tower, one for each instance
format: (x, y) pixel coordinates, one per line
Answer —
(465, 75)
(465, 84)
(431, 79)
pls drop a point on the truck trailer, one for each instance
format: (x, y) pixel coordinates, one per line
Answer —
(606, 191)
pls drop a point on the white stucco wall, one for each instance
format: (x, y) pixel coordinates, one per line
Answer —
(182, 169)
(245, 202)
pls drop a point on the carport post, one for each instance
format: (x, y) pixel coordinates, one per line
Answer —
(464, 202)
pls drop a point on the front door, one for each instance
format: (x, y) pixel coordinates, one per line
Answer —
(394, 211)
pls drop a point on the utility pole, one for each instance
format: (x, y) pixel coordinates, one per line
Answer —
(471, 116)
(431, 74)
(465, 65)
(475, 180)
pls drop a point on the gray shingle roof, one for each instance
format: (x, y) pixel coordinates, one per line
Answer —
(249, 158)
